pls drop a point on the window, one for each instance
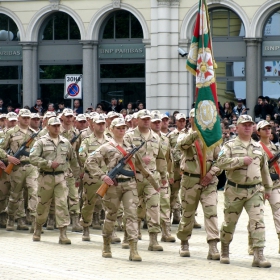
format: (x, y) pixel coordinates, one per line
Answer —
(8, 29)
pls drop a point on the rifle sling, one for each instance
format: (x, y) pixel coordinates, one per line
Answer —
(130, 163)
(270, 155)
(200, 155)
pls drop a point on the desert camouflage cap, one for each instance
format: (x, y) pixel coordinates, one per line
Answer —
(155, 116)
(128, 118)
(81, 117)
(192, 113)
(48, 115)
(99, 119)
(68, 112)
(35, 116)
(24, 113)
(54, 121)
(3, 116)
(156, 112)
(164, 116)
(12, 116)
(142, 114)
(112, 114)
(244, 119)
(118, 122)
(262, 124)
(180, 116)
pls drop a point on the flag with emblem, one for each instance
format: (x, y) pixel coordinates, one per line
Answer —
(201, 63)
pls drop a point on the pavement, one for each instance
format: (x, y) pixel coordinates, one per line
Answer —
(21, 258)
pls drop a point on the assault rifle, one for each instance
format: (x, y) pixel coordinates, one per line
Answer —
(118, 169)
(74, 139)
(273, 159)
(4, 161)
(21, 152)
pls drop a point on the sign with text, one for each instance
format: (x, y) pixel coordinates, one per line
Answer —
(271, 48)
(121, 51)
(73, 86)
(11, 53)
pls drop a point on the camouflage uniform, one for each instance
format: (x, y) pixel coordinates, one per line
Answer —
(158, 167)
(23, 175)
(192, 191)
(89, 145)
(53, 184)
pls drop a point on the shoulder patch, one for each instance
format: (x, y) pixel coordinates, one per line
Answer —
(92, 153)
(32, 150)
(81, 149)
(221, 153)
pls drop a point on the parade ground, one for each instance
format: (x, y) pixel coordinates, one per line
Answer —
(21, 258)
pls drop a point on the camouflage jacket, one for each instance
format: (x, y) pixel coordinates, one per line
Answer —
(85, 133)
(44, 152)
(152, 148)
(43, 132)
(167, 152)
(173, 136)
(190, 161)
(107, 156)
(231, 159)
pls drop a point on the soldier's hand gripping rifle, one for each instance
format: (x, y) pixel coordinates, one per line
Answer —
(74, 139)
(21, 152)
(118, 169)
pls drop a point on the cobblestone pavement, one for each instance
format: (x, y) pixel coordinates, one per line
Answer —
(20, 258)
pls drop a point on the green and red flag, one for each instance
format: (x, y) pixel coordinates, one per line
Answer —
(200, 63)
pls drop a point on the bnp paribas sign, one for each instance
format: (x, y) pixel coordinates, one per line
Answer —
(10, 53)
(121, 51)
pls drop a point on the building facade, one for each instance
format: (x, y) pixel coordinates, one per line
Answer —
(128, 49)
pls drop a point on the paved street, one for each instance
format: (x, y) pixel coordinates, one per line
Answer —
(20, 258)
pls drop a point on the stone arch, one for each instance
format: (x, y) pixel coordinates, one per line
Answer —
(260, 17)
(99, 17)
(17, 21)
(37, 20)
(187, 32)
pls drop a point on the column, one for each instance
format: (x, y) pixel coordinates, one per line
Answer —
(28, 68)
(252, 76)
(35, 72)
(87, 74)
(95, 79)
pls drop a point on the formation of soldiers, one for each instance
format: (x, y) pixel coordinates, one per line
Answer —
(60, 168)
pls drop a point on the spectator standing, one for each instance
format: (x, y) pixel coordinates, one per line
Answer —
(38, 107)
(227, 110)
(77, 109)
(240, 108)
(3, 110)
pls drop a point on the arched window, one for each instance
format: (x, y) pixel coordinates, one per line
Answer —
(271, 57)
(229, 50)
(121, 55)
(59, 53)
(11, 62)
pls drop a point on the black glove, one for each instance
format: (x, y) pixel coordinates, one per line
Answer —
(274, 176)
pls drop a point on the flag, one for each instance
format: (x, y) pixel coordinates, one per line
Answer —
(200, 63)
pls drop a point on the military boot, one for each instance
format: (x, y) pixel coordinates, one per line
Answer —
(37, 232)
(10, 223)
(224, 253)
(125, 243)
(166, 234)
(120, 223)
(51, 222)
(76, 227)
(176, 217)
(63, 239)
(134, 256)
(21, 224)
(106, 251)
(139, 230)
(250, 246)
(3, 220)
(32, 224)
(213, 253)
(196, 224)
(86, 236)
(96, 221)
(184, 250)
(115, 239)
(259, 259)
(154, 246)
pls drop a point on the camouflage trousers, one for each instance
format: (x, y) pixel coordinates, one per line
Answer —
(73, 195)
(191, 193)
(126, 193)
(274, 202)
(149, 204)
(165, 204)
(5, 186)
(252, 200)
(53, 187)
(23, 176)
(90, 199)
(175, 188)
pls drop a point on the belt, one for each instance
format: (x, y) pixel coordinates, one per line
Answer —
(192, 175)
(241, 186)
(51, 173)
(122, 180)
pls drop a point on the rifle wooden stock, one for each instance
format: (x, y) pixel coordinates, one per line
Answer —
(102, 190)
(9, 168)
